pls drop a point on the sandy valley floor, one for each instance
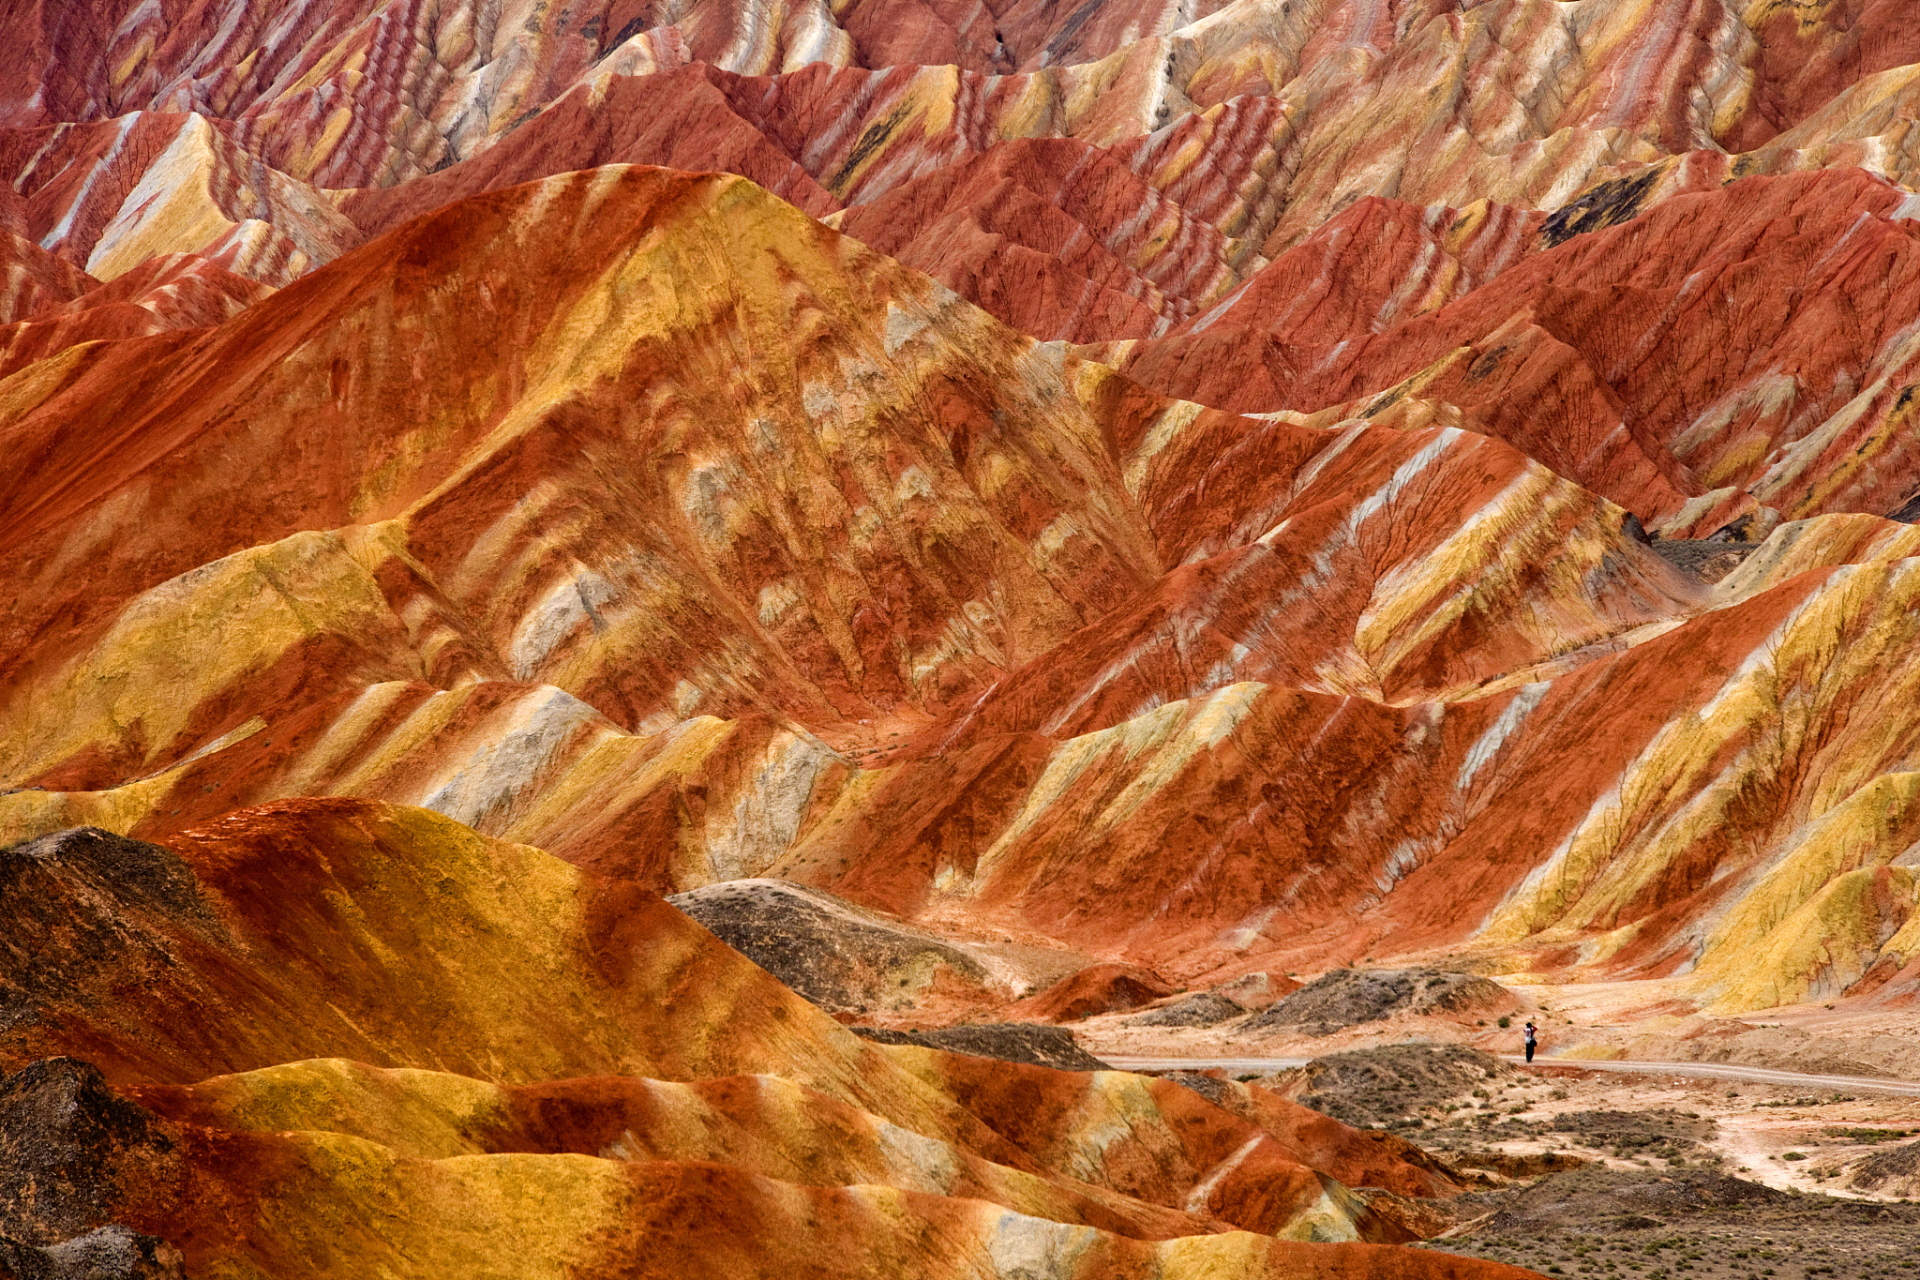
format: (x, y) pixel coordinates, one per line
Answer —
(1590, 1172)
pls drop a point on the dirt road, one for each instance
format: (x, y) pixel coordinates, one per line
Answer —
(1687, 1070)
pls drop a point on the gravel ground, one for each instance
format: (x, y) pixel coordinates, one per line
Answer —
(1809, 1236)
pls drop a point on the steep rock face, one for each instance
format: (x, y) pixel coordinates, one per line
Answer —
(922, 155)
(1806, 59)
(360, 94)
(1256, 120)
(691, 117)
(1245, 123)
(531, 757)
(1059, 548)
(1122, 234)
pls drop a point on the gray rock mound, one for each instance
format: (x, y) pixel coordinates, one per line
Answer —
(112, 1252)
(1202, 1009)
(1367, 1087)
(837, 954)
(68, 1147)
(66, 1143)
(1704, 558)
(1008, 1041)
(1625, 1198)
(1347, 997)
(1660, 1132)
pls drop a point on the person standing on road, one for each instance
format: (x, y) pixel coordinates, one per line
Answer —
(1532, 1039)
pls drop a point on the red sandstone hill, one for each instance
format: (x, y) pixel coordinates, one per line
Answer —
(1199, 489)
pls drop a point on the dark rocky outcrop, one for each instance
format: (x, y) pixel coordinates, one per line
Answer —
(69, 1150)
(838, 955)
(111, 1252)
(1607, 204)
(87, 911)
(66, 1143)
(1347, 997)
(1201, 1009)
(1627, 1198)
(1009, 1041)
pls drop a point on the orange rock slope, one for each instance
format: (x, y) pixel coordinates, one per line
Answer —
(747, 552)
(1197, 489)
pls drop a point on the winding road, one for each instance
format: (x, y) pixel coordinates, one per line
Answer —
(1684, 1070)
